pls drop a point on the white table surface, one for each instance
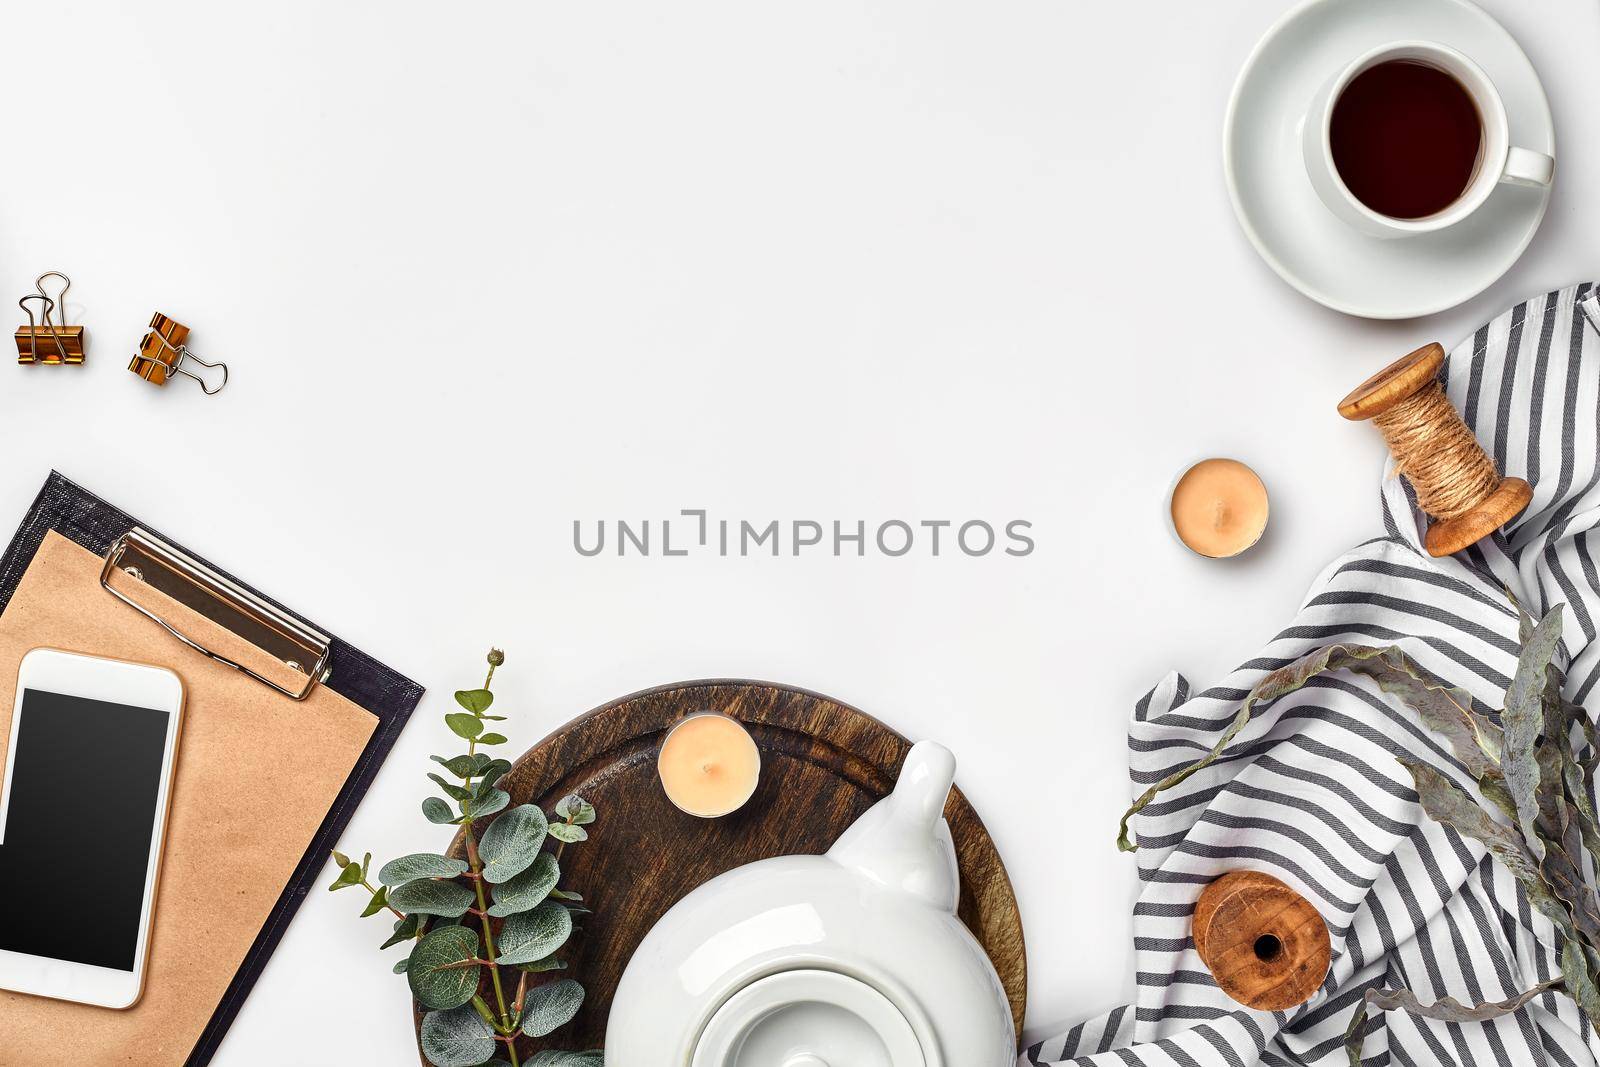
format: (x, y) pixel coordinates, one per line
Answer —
(484, 269)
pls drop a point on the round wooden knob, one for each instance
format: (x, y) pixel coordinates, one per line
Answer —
(1265, 944)
(1404, 377)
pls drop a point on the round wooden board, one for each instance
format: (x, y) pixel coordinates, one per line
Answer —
(823, 764)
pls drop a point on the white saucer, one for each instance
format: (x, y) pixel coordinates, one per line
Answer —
(1296, 233)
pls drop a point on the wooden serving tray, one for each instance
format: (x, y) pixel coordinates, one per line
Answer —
(822, 764)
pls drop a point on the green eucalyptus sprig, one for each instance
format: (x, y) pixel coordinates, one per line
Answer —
(500, 910)
(1535, 773)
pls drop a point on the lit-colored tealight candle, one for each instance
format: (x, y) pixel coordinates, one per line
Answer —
(1219, 507)
(709, 765)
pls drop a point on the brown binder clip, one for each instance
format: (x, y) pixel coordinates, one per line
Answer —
(51, 342)
(163, 353)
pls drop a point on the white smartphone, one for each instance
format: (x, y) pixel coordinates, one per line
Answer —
(83, 811)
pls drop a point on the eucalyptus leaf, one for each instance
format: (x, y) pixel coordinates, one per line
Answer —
(527, 889)
(563, 894)
(440, 975)
(512, 842)
(575, 809)
(549, 963)
(379, 901)
(591, 1058)
(1524, 719)
(492, 801)
(341, 859)
(456, 1038)
(451, 790)
(437, 811)
(552, 1058)
(551, 1006)
(494, 769)
(404, 930)
(463, 725)
(492, 739)
(402, 965)
(1275, 684)
(532, 935)
(419, 865)
(476, 701)
(349, 876)
(567, 832)
(462, 766)
(1447, 1010)
(366, 864)
(427, 896)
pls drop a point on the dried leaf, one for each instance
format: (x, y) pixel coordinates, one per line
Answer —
(1579, 978)
(1524, 720)
(1284, 680)
(1447, 804)
(1447, 711)
(1447, 1010)
(1562, 868)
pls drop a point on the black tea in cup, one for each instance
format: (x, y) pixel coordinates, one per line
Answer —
(1406, 138)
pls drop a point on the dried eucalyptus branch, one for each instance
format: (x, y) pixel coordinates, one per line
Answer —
(507, 887)
(1536, 769)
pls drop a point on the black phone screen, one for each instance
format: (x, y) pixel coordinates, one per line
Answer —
(79, 820)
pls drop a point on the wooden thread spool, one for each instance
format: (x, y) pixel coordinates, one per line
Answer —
(1456, 481)
(1265, 944)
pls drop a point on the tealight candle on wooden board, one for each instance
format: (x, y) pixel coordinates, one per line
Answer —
(709, 765)
(1219, 507)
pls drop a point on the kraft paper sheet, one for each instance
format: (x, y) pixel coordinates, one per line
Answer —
(256, 775)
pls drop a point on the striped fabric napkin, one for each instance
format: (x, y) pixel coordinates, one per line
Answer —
(1311, 791)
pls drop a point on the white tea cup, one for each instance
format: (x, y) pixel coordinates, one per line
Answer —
(1498, 160)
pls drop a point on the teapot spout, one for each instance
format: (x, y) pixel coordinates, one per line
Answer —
(903, 842)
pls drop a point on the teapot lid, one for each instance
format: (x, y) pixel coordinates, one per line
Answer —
(809, 1018)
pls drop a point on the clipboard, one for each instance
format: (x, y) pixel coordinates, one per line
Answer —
(217, 631)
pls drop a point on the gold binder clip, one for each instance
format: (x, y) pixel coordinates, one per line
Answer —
(163, 353)
(52, 342)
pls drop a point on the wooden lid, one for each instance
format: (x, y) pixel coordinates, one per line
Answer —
(1393, 383)
(1265, 944)
(1449, 536)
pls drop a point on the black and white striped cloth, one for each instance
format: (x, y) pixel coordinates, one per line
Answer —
(1311, 792)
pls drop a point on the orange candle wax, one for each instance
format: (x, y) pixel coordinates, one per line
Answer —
(1219, 507)
(709, 765)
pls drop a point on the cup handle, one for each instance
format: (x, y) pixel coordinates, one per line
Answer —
(1526, 167)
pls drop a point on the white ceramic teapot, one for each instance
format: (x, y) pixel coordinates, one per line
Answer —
(850, 959)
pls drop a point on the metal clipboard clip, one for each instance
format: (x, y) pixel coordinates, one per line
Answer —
(147, 559)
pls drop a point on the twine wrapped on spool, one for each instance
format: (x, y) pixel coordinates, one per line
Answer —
(1456, 481)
